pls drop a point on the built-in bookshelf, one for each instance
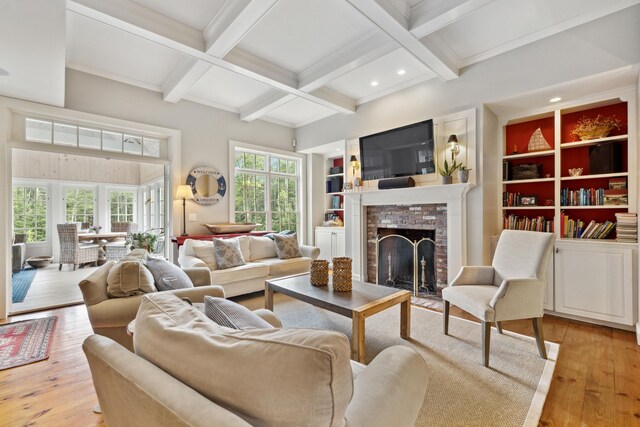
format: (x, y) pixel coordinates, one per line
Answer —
(549, 197)
(334, 197)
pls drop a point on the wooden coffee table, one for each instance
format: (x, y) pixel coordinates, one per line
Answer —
(363, 301)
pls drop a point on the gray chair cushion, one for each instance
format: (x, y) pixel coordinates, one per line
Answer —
(232, 315)
(166, 275)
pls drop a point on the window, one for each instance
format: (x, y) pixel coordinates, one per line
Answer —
(79, 205)
(30, 212)
(266, 190)
(121, 205)
(154, 206)
(48, 132)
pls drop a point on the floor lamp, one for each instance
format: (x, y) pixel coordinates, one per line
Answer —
(184, 192)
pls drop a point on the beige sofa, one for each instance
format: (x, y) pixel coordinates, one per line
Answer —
(259, 377)
(110, 316)
(262, 263)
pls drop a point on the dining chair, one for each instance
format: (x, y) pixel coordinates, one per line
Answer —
(511, 288)
(71, 250)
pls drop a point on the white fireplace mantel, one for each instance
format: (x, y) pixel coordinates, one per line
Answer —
(454, 195)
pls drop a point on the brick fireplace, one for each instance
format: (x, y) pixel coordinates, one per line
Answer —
(414, 222)
(437, 207)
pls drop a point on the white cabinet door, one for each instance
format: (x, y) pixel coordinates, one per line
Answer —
(594, 281)
(324, 241)
(339, 243)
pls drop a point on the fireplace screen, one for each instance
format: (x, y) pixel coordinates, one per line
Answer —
(406, 264)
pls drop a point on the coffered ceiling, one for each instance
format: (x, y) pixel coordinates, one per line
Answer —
(292, 62)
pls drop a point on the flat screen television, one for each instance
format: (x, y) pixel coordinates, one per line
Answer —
(404, 151)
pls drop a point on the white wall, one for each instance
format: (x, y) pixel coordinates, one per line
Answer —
(205, 132)
(602, 45)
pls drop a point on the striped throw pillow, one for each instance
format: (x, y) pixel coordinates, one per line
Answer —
(232, 315)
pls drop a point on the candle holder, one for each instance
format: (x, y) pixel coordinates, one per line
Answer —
(319, 272)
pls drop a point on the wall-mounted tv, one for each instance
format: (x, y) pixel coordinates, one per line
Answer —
(404, 151)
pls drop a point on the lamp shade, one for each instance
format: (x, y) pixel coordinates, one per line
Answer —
(184, 192)
(453, 139)
(353, 159)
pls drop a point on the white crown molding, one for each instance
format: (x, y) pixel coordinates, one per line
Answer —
(210, 103)
(113, 76)
(397, 27)
(429, 16)
(606, 8)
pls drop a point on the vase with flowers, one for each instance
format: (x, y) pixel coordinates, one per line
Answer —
(95, 229)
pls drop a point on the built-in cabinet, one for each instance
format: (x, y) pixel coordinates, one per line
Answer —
(595, 280)
(590, 279)
(331, 242)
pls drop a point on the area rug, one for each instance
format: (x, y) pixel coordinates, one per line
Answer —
(460, 391)
(21, 282)
(26, 341)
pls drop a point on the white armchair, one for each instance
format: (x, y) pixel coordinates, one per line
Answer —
(511, 288)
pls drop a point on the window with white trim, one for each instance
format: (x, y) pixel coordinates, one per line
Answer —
(122, 206)
(80, 205)
(154, 206)
(71, 135)
(266, 190)
(30, 212)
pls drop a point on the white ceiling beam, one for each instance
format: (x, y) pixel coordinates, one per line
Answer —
(348, 58)
(184, 75)
(392, 22)
(263, 104)
(235, 19)
(130, 17)
(429, 16)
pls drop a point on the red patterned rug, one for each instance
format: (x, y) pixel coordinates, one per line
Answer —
(26, 341)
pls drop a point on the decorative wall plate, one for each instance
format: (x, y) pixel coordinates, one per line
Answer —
(208, 185)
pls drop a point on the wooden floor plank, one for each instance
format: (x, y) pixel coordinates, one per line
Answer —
(596, 382)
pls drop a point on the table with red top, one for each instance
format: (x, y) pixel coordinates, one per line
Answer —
(179, 240)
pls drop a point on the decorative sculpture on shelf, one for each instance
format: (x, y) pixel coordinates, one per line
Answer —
(537, 142)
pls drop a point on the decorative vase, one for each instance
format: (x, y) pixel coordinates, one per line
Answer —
(463, 176)
(319, 272)
(342, 278)
(447, 179)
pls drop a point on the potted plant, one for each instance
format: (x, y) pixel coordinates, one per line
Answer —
(463, 173)
(447, 171)
(593, 128)
(143, 240)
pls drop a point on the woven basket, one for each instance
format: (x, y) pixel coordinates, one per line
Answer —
(319, 272)
(342, 279)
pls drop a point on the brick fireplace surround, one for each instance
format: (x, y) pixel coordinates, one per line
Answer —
(411, 217)
(453, 196)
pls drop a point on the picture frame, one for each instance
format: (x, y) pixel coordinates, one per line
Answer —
(528, 201)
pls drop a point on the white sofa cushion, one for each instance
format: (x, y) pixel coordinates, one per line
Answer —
(269, 377)
(207, 254)
(248, 271)
(262, 247)
(190, 244)
(286, 267)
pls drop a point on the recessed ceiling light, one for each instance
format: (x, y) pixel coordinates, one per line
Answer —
(374, 83)
(401, 72)
(556, 99)
(3, 72)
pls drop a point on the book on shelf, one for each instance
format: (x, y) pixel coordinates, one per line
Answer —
(617, 183)
(627, 229)
(515, 222)
(576, 229)
(582, 197)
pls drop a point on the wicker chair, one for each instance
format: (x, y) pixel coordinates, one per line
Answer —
(118, 249)
(72, 251)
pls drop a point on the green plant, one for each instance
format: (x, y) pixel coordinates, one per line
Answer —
(463, 168)
(143, 240)
(448, 170)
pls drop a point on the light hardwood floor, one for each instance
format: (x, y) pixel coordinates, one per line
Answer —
(52, 288)
(596, 382)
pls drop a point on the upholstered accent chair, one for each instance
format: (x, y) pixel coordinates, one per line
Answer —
(71, 250)
(117, 249)
(511, 288)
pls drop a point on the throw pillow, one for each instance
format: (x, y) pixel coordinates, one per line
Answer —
(232, 315)
(129, 278)
(281, 233)
(287, 246)
(207, 254)
(228, 253)
(166, 275)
